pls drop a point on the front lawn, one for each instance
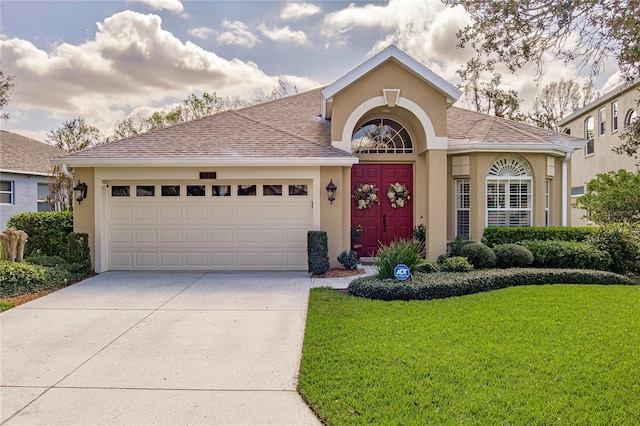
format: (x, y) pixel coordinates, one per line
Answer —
(558, 354)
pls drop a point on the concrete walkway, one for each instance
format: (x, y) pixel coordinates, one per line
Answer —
(158, 348)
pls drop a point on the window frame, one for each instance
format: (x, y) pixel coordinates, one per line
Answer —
(460, 196)
(11, 192)
(589, 135)
(602, 121)
(614, 116)
(43, 201)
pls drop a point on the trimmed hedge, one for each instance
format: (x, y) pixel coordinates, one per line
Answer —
(317, 252)
(498, 235)
(454, 264)
(47, 231)
(623, 245)
(441, 285)
(567, 254)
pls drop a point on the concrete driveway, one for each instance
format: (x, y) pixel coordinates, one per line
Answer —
(158, 348)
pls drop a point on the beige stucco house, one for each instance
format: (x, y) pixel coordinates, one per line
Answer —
(240, 189)
(600, 123)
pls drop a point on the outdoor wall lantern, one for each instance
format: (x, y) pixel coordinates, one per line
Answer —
(80, 191)
(331, 191)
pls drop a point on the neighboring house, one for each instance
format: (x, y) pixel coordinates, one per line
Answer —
(240, 189)
(601, 123)
(25, 165)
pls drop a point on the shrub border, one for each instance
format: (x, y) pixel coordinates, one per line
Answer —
(441, 285)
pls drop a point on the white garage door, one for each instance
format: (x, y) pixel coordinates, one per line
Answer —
(252, 226)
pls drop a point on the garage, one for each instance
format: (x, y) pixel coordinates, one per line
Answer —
(238, 225)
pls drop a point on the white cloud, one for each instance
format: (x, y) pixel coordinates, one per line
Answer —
(202, 32)
(131, 62)
(299, 10)
(284, 34)
(237, 33)
(170, 5)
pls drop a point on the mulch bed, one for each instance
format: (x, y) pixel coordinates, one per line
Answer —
(24, 298)
(340, 273)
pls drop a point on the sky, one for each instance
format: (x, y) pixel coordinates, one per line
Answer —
(107, 60)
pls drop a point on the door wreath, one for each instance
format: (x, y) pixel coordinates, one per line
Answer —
(398, 194)
(366, 195)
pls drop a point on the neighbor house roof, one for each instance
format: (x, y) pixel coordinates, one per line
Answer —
(19, 154)
(472, 131)
(284, 131)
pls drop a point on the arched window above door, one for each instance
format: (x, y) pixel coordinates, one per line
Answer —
(381, 136)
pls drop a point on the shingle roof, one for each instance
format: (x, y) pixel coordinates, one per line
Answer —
(291, 128)
(19, 153)
(482, 128)
(288, 127)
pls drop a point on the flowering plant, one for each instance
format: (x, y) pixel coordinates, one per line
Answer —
(365, 195)
(398, 194)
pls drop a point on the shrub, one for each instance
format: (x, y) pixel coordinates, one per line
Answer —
(396, 253)
(47, 231)
(43, 260)
(428, 267)
(479, 255)
(455, 264)
(441, 285)
(622, 245)
(317, 252)
(567, 254)
(420, 236)
(78, 248)
(513, 256)
(441, 259)
(497, 235)
(348, 259)
(459, 242)
(21, 278)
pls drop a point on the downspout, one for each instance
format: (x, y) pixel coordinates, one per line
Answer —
(66, 171)
(565, 188)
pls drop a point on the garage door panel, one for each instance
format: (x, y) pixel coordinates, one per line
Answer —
(222, 236)
(120, 236)
(171, 258)
(297, 235)
(171, 236)
(247, 258)
(221, 213)
(298, 213)
(196, 236)
(122, 260)
(170, 213)
(221, 260)
(120, 213)
(146, 236)
(197, 259)
(248, 212)
(273, 236)
(272, 212)
(146, 259)
(197, 213)
(146, 213)
(251, 235)
(273, 258)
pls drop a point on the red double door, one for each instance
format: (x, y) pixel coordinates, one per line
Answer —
(382, 223)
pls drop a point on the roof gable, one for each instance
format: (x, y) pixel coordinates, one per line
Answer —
(450, 92)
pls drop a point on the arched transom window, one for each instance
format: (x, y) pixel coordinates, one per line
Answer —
(509, 192)
(381, 136)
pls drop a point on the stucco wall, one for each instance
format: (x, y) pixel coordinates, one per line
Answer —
(84, 212)
(25, 195)
(390, 75)
(332, 216)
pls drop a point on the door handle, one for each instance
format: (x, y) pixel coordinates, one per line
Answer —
(384, 223)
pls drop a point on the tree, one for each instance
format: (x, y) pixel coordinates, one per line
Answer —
(486, 96)
(6, 84)
(613, 197)
(559, 99)
(75, 135)
(521, 32)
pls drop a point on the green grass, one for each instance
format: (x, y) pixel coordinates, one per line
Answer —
(5, 305)
(561, 354)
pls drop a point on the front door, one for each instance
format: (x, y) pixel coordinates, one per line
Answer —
(382, 223)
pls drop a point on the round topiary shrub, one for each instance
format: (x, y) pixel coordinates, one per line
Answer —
(513, 256)
(479, 255)
(348, 259)
(457, 244)
(428, 267)
(455, 264)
